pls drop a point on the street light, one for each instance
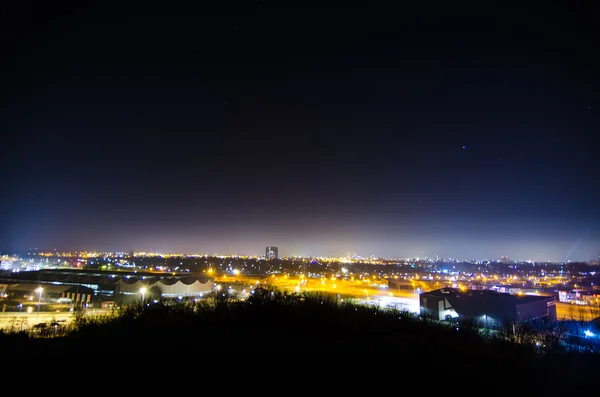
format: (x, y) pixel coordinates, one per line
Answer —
(143, 292)
(39, 290)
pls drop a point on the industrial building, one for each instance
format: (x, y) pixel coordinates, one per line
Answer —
(490, 308)
(49, 292)
(183, 287)
(97, 286)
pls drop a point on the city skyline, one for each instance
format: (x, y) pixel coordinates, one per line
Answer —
(295, 252)
(458, 132)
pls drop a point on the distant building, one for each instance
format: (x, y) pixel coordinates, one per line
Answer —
(490, 308)
(504, 259)
(578, 297)
(6, 265)
(272, 252)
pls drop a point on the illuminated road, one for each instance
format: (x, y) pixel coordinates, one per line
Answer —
(365, 291)
(30, 319)
(26, 320)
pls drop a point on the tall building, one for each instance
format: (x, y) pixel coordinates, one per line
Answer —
(272, 253)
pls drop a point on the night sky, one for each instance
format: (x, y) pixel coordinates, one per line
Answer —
(467, 132)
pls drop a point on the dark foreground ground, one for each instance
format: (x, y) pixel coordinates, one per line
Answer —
(280, 347)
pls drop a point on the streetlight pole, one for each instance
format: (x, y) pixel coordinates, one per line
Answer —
(143, 292)
(39, 290)
(77, 293)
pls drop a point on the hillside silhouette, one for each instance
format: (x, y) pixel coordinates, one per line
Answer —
(311, 342)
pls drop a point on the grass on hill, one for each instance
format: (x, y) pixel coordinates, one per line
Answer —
(274, 332)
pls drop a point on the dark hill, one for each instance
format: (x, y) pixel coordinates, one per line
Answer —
(287, 343)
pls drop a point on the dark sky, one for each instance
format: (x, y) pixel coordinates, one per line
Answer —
(466, 132)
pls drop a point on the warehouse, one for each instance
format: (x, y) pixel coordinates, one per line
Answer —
(491, 309)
